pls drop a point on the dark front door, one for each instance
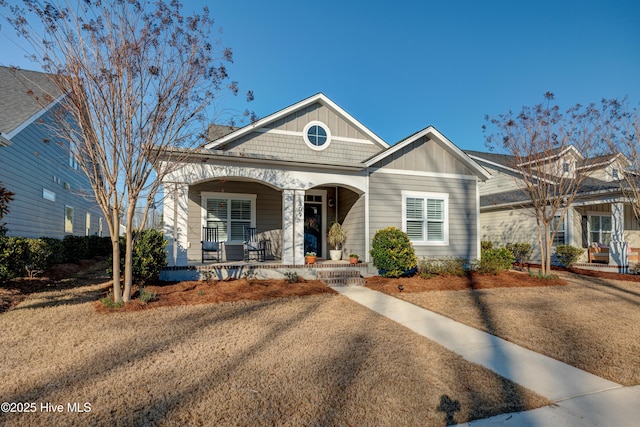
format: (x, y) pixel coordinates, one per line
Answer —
(312, 228)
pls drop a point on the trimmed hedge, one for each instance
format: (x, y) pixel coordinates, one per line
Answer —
(20, 256)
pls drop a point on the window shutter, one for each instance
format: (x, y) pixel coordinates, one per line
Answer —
(435, 220)
(415, 218)
(217, 214)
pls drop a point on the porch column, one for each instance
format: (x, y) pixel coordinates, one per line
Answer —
(618, 249)
(298, 238)
(287, 226)
(176, 202)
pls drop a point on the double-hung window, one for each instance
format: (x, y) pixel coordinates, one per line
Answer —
(559, 238)
(231, 213)
(600, 229)
(425, 217)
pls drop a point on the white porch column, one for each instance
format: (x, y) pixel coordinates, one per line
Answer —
(176, 202)
(298, 238)
(618, 249)
(287, 226)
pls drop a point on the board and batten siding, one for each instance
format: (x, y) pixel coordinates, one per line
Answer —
(36, 161)
(283, 139)
(268, 216)
(385, 205)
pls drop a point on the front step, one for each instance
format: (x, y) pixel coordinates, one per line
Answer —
(349, 277)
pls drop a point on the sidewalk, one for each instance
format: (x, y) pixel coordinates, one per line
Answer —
(580, 398)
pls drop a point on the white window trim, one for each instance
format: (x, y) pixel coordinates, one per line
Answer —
(425, 196)
(229, 196)
(306, 137)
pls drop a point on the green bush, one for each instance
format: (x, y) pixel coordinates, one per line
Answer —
(521, 252)
(37, 256)
(485, 245)
(149, 256)
(568, 255)
(493, 261)
(446, 266)
(392, 253)
(14, 252)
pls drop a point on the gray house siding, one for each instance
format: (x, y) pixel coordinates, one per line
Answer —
(352, 209)
(385, 205)
(283, 140)
(424, 155)
(35, 162)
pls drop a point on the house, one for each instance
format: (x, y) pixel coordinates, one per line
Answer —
(53, 197)
(294, 172)
(600, 219)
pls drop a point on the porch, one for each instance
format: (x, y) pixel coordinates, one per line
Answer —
(332, 272)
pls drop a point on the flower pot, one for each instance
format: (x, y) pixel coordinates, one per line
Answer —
(353, 260)
(335, 255)
(310, 259)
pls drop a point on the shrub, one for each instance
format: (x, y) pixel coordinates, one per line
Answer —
(147, 295)
(291, 277)
(568, 255)
(37, 256)
(393, 253)
(447, 266)
(149, 256)
(14, 252)
(493, 261)
(521, 252)
(485, 245)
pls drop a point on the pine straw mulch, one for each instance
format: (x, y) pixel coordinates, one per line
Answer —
(204, 292)
(506, 279)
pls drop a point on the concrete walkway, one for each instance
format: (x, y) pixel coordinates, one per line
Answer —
(580, 398)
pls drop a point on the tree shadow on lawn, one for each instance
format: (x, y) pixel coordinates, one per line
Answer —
(137, 411)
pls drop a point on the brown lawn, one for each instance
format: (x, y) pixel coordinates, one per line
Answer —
(591, 321)
(233, 353)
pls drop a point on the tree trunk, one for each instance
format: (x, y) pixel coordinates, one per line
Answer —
(128, 256)
(115, 249)
(542, 250)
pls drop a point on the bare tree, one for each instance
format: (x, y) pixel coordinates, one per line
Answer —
(626, 140)
(546, 147)
(6, 196)
(138, 79)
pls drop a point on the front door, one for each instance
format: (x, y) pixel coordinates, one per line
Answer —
(314, 222)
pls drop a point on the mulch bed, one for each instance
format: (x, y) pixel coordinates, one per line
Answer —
(506, 279)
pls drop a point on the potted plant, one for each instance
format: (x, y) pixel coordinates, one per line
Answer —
(310, 258)
(353, 258)
(337, 236)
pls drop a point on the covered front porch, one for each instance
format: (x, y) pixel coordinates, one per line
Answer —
(290, 221)
(609, 232)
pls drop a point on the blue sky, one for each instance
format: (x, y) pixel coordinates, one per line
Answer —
(400, 66)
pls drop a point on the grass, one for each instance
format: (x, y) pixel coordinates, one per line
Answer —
(315, 360)
(591, 323)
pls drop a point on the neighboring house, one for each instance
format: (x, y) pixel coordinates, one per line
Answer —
(599, 217)
(293, 172)
(53, 197)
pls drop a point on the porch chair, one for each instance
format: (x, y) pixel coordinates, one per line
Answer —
(210, 243)
(252, 244)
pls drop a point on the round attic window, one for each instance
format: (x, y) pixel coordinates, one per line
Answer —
(317, 135)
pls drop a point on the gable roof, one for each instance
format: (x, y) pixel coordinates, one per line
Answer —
(449, 146)
(319, 98)
(23, 95)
